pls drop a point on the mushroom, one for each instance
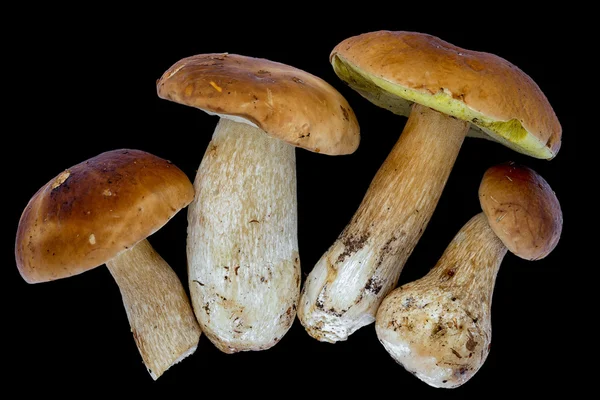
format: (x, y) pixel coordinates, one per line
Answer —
(242, 249)
(100, 212)
(446, 92)
(439, 327)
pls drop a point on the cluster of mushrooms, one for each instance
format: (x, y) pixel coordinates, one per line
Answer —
(244, 274)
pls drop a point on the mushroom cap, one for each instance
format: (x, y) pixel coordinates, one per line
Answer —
(522, 210)
(285, 102)
(395, 69)
(91, 212)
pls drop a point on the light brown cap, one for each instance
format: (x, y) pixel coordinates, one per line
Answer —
(493, 94)
(287, 103)
(522, 210)
(93, 211)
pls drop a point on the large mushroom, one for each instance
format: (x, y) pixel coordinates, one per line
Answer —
(447, 92)
(243, 262)
(439, 327)
(100, 212)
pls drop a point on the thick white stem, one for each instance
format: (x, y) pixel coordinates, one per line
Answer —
(244, 267)
(159, 312)
(439, 327)
(346, 286)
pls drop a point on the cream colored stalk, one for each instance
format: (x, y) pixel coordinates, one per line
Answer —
(244, 267)
(162, 322)
(439, 327)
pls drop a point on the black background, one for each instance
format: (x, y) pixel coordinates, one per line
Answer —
(85, 83)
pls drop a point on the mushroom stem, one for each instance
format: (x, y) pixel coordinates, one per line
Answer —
(346, 286)
(158, 309)
(244, 267)
(439, 327)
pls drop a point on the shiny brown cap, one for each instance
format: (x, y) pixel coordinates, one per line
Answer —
(287, 103)
(93, 211)
(522, 210)
(466, 84)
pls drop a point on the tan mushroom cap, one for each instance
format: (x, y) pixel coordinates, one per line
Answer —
(287, 103)
(93, 211)
(394, 69)
(522, 210)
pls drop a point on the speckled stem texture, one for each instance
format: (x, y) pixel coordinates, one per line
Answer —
(244, 267)
(439, 327)
(159, 311)
(346, 286)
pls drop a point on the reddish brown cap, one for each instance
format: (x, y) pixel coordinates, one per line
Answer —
(93, 211)
(389, 68)
(286, 102)
(522, 210)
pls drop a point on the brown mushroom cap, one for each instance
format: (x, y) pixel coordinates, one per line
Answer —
(389, 68)
(93, 211)
(287, 103)
(522, 210)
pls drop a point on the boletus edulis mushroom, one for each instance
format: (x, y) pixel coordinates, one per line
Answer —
(100, 212)
(447, 92)
(242, 248)
(439, 327)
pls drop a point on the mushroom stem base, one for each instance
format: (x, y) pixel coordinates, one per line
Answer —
(158, 309)
(346, 286)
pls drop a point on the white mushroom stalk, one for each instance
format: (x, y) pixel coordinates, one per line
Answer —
(244, 266)
(162, 322)
(439, 327)
(347, 284)
(243, 261)
(446, 91)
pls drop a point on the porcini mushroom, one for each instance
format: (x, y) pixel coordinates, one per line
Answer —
(100, 212)
(439, 327)
(446, 92)
(243, 262)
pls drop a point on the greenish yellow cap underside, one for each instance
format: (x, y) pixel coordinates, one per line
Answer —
(398, 99)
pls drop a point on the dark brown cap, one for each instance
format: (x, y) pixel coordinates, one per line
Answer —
(287, 103)
(93, 211)
(522, 210)
(393, 69)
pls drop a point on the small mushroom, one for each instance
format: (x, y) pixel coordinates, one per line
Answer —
(446, 92)
(242, 249)
(439, 327)
(100, 212)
